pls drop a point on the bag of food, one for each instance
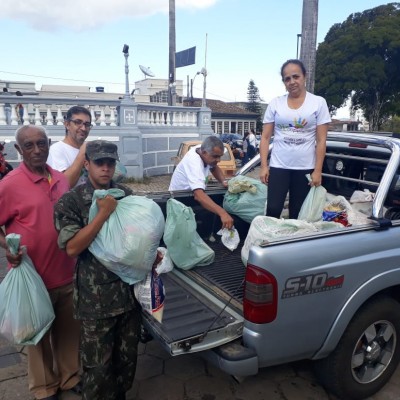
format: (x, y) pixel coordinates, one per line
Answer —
(246, 197)
(150, 293)
(185, 246)
(313, 205)
(127, 242)
(165, 265)
(269, 229)
(26, 311)
(362, 196)
(337, 210)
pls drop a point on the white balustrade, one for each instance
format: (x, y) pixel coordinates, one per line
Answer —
(112, 117)
(93, 115)
(49, 116)
(2, 115)
(14, 116)
(102, 117)
(48, 113)
(25, 115)
(59, 118)
(38, 120)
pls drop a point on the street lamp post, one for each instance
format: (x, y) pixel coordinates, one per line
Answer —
(125, 50)
(191, 85)
(204, 73)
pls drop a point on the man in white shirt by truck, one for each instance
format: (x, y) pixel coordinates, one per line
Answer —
(192, 174)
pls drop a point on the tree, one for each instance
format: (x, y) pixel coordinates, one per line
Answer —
(253, 104)
(359, 59)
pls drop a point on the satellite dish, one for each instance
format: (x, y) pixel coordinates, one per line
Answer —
(146, 71)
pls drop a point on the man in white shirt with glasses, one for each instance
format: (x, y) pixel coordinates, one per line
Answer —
(68, 154)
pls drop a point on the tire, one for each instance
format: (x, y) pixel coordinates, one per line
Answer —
(367, 354)
(392, 213)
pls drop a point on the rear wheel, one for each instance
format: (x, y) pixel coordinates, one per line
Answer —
(393, 213)
(367, 354)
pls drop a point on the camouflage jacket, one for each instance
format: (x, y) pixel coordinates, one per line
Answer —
(98, 292)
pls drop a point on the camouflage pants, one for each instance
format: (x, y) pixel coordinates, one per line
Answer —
(109, 355)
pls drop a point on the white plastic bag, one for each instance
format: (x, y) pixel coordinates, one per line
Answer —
(362, 196)
(230, 238)
(347, 214)
(26, 311)
(127, 242)
(313, 205)
(270, 229)
(166, 264)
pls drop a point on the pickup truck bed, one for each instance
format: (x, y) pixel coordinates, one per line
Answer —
(190, 314)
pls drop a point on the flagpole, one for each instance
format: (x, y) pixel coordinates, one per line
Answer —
(204, 72)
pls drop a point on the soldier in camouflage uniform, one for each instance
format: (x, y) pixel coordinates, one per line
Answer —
(106, 306)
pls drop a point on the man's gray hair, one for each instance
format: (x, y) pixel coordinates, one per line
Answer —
(24, 128)
(210, 142)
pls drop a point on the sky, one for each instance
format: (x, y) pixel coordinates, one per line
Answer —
(79, 42)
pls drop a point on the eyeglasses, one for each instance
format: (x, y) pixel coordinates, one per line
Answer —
(79, 122)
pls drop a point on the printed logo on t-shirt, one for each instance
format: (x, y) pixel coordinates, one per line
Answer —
(299, 124)
(291, 130)
(295, 127)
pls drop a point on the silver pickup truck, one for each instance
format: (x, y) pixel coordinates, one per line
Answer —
(332, 297)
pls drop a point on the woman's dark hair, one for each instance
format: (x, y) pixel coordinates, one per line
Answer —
(294, 61)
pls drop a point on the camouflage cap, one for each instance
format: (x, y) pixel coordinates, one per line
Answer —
(97, 149)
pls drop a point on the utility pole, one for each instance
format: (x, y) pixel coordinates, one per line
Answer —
(308, 51)
(172, 50)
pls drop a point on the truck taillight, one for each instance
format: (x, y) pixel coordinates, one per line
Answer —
(260, 296)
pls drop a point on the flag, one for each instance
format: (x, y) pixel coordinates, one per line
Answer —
(185, 57)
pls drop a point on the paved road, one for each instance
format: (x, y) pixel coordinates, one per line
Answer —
(161, 377)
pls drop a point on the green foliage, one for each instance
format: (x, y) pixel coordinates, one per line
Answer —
(253, 105)
(359, 59)
(392, 124)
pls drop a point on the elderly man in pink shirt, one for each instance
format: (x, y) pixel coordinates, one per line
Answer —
(27, 198)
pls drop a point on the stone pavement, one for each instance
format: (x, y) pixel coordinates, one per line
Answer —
(188, 377)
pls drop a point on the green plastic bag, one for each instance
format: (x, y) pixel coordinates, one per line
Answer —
(127, 242)
(246, 197)
(313, 205)
(26, 311)
(185, 246)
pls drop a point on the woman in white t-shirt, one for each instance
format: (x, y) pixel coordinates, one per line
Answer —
(298, 121)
